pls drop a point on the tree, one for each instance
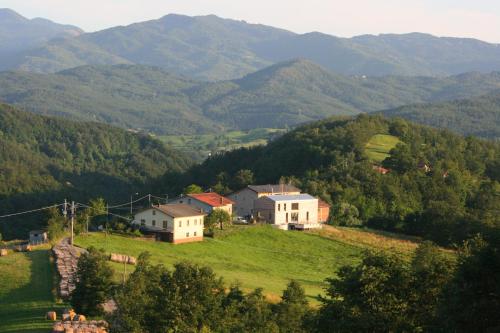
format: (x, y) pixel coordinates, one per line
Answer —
(345, 214)
(370, 297)
(55, 224)
(218, 217)
(192, 189)
(291, 311)
(473, 296)
(243, 178)
(94, 283)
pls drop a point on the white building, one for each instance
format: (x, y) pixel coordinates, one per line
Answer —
(175, 223)
(296, 211)
(244, 199)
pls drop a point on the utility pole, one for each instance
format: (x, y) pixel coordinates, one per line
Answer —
(149, 198)
(166, 199)
(72, 220)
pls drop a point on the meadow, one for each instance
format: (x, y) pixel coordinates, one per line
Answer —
(379, 146)
(259, 256)
(26, 291)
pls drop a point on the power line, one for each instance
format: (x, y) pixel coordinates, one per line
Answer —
(128, 203)
(104, 211)
(31, 211)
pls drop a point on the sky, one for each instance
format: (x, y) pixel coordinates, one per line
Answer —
(458, 18)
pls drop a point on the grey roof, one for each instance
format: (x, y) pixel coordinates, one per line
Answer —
(277, 188)
(295, 197)
(179, 210)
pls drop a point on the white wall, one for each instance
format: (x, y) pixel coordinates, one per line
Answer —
(148, 216)
(192, 225)
(244, 202)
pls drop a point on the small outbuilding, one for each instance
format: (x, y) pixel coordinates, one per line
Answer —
(38, 237)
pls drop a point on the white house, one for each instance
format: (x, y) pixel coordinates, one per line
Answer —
(244, 199)
(293, 211)
(207, 202)
(175, 223)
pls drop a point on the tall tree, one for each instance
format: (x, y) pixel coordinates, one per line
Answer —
(94, 283)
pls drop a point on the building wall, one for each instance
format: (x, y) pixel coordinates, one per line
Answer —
(282, 213)
(244, 202)
(203, 206)
(184, 229)
(323, 214)
(188, 228)
(146, 218)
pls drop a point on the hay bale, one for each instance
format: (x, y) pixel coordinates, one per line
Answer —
(132, 261)
(69, 330)
(51, 315)
(4, 252)
(80, 318)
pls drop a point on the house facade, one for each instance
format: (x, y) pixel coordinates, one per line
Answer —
(294, 211)
(175, 223)
(323, 211)
(244, 199)
(207, 202)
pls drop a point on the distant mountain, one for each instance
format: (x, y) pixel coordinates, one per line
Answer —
(212, 48)
(18, 34)
(44, 160)
(286, 94)
(479, 116)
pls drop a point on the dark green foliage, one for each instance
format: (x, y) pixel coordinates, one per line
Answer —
(385, 294)
(478, 116)
(94, 283)
(193, 188)
(149, 99)
(218, 218)
(449, 202)
(292, 311)
(473, 298)
(55, 224)
(44, 160)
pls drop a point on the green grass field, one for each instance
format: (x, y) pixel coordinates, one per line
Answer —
(380, 145)
(255, 256)
(26, 284)
(202, 145)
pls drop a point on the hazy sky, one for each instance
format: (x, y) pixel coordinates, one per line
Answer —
(461, 18)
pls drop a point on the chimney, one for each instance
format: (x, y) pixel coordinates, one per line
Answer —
(221, 200)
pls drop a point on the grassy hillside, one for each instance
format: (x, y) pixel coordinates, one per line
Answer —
(209, 47)
(479, 116)
(255, 256)
(44, 160)
(152, 100)
(379, 146)
(26, 292)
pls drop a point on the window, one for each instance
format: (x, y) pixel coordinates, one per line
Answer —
(153, 223)
(165, 224)
(284, 207)
(143, 222)
(187, 234)
(286, 217)
(154, 212)
(307, 216)
(180, 224)
(187, 223)
(295, 217)
(279, 207)
(295, 206)
(189, 201)
(195, 221)
(194, 234)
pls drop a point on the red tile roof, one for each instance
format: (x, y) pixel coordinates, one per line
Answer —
(213, 199)
(323, 204)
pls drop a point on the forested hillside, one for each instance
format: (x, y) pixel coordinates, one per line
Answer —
(457, 196)
(44, 160)
(479, 116)
(212, 48)
(286, 94)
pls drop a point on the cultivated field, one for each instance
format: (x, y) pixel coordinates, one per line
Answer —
(260, 256)
(379, 146)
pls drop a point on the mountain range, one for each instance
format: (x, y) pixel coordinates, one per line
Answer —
(152, 100)
(212, 48)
